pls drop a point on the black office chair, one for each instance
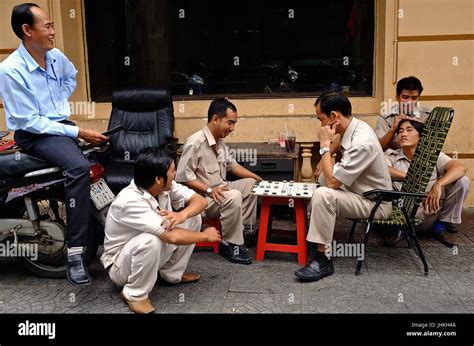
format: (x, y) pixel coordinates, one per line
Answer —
(148, 119)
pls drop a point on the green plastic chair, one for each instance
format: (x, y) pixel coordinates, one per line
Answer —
(407, 201)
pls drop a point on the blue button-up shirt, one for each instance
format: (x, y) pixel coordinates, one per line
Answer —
(36, 100)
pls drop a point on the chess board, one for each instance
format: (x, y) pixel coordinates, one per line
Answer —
(284, 189)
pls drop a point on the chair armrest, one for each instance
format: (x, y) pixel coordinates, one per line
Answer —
(390, 195)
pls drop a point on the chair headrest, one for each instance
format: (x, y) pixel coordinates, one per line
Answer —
(141, 100)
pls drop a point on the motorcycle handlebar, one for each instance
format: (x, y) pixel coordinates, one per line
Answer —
(86, 147)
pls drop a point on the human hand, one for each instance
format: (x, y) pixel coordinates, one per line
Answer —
(217, 194)
(326, 134)
(171, 218)
(431, 202)
(397, 120)
(92, 136)
(212, 234)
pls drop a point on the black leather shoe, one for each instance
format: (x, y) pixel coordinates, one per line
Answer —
(77, 273)
(316, 269)
(451, 227)
(233, 253)
(394, 237)
(440, 237)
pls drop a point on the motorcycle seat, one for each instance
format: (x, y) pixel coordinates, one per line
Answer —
(4, 134)
(18, 164)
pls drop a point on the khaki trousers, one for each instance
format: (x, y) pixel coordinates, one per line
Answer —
(327, 204)
(452, 199)
(136, 267)
(238, 208)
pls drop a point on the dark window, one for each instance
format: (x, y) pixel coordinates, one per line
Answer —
(248, 48)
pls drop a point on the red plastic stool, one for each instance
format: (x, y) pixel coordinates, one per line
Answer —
(300, 248)
(215, 245)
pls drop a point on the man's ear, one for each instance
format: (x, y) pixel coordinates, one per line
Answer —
(215, 119)
(336, 117)
(26, 30)
(158, 180)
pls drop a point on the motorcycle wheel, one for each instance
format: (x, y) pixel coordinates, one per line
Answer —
(52, 254)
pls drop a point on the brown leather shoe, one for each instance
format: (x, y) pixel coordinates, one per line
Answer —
(143, 306)
(189, 278)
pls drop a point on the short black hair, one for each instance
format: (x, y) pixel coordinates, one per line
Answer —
(416, 124)
(150, 163)
(330, 101)
(409, 83)
(21, 14)
(219, 107)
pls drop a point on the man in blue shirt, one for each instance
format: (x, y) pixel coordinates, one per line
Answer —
(36, 82)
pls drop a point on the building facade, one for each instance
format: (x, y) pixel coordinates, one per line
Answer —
(431, 39)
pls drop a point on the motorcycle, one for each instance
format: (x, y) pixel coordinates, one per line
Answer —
(33, 223)
(280, 78)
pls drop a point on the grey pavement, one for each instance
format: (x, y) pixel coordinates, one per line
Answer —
(392, 281)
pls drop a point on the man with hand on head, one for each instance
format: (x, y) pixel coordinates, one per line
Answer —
(409, 90)
(407, 107)
(151, 229)
(362, 168)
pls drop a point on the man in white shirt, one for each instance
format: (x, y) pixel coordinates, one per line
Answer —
(144, 237)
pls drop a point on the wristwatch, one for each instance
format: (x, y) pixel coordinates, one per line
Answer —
(324, 150)
(208, 191)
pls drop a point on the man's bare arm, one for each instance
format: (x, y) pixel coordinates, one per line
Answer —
(243, 172)
(396, 174)
(197, 186)
(180, 236)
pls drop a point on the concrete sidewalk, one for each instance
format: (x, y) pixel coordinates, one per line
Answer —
(392, 281)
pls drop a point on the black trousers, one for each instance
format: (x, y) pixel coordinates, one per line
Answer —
(63, 152)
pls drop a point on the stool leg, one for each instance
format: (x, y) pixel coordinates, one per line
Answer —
(301, 231)
(262, 231)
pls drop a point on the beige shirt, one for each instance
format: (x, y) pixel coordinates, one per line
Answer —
(135, 211)
(385, 122)
(398, 160)
(204, 159)
(362, 166)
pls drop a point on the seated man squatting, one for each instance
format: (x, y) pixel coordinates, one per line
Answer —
(145, 239)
